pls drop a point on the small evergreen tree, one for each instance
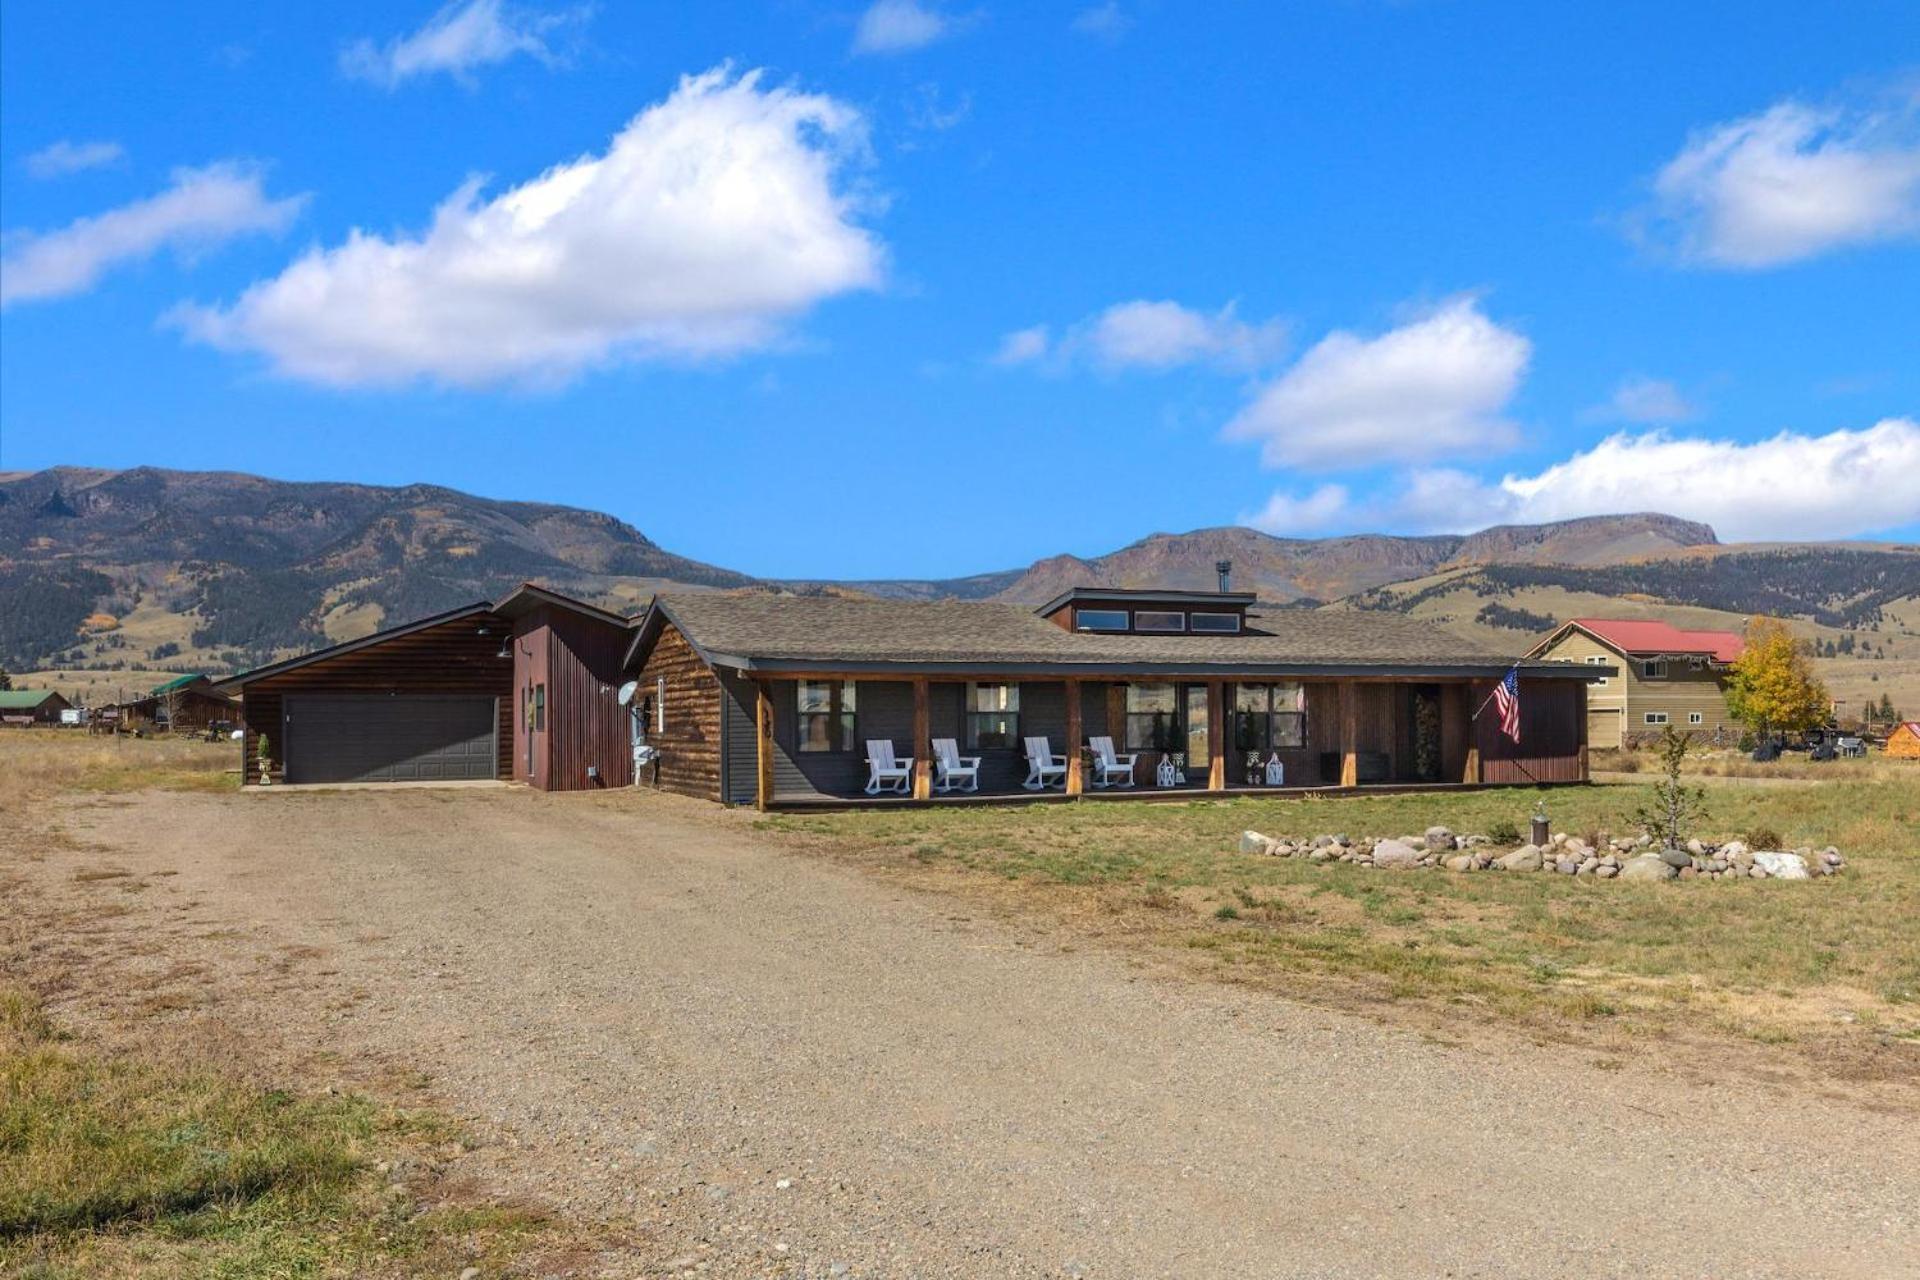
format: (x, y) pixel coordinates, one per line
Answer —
(1673, 807)
(6, 681)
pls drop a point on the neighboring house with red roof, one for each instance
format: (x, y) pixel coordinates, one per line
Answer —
(1669, 676)
(1904, 742)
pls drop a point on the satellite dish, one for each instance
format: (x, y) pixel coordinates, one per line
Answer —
(627, 691)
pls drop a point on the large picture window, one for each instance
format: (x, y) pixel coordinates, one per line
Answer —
(1269, 717)
(825, 714)
(993, 716)
(1153, 718)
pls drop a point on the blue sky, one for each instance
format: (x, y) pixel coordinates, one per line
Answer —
(928, 289)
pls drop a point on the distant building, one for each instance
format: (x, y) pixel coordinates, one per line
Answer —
(185, 704)
(1671, 676)
(1904, 742)
(31, 706)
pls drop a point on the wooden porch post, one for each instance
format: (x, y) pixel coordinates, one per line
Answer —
(763, 731)
(1076, 779)
(922, 742)
(1349, 734)
(1472, 776)
(1216, 736)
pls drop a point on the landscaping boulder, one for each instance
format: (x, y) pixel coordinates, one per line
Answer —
(1648, 866)
(1781, 866)
(1439, 839)
(1461, 862)
(1252, 842)
(1525, 858)
(1676, 858)
(1394, 853)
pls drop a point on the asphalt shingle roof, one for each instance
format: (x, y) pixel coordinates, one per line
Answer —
(765, 629)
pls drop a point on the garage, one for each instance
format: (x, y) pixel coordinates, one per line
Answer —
(340, 737)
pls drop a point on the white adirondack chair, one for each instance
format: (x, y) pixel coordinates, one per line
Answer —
(952, 768)
(1109, 767)
(884, 773)
(1043, 767)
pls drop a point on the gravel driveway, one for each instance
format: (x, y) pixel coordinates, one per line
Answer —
(776, 1066)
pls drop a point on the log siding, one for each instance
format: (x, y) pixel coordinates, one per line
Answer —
(690, 743)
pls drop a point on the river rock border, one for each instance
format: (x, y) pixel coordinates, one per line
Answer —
(1633, 858)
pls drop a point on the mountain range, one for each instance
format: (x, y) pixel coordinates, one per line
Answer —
(211, 570)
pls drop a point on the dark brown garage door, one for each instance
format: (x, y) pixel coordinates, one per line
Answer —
(379, 738)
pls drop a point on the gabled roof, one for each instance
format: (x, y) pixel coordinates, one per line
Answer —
(24, 699)
(527, 597)
(521, 600)
(805, 633)
(1642, 636)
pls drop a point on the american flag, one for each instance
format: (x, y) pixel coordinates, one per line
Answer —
(1507, 698)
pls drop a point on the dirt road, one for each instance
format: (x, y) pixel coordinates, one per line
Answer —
(776, 1066)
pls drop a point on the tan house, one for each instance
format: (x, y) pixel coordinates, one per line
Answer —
(1668, 676)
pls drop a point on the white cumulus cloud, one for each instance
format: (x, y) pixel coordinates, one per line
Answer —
(711, 219)
(1646, 400)
(203, 208)
(458, 39)
(1837, 485)
(66, 156)
(1325, 510)
(897, 26)
(1152, 335)
(1438, 384)
(1842, 484)
(1791, 182)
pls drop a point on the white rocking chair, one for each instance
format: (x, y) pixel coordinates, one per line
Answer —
(1043, 767)
(1109, 767)
(884, 773)
(953, 768)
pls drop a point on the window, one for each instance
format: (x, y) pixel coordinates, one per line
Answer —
(1100, 619)
(1227, 623)
(540, 708)
(660, 704)
(993, 716)
(1159, 620)
(1694, 717)
(1153, 714)
(1269, 717)
(1598, 660)
(1656, 717)
(1654, 669)
(825, 714)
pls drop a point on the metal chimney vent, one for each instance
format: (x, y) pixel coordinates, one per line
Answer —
(1225, 569)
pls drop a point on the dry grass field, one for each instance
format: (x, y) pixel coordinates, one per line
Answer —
(1831, 967)
(172, 1150)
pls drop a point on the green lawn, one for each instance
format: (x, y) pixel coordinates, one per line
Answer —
(1770, 959)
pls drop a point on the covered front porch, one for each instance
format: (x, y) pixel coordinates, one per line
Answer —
(811, 734)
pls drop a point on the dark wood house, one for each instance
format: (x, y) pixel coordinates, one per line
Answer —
(772, 700)
(522, 689)
(184, 704)
(31, 706)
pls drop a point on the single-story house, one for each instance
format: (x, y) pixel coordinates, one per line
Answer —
(1904, 742)
(769, 700)
(1669, 676)
(31, 706)
(780, 701)
(184, 704)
